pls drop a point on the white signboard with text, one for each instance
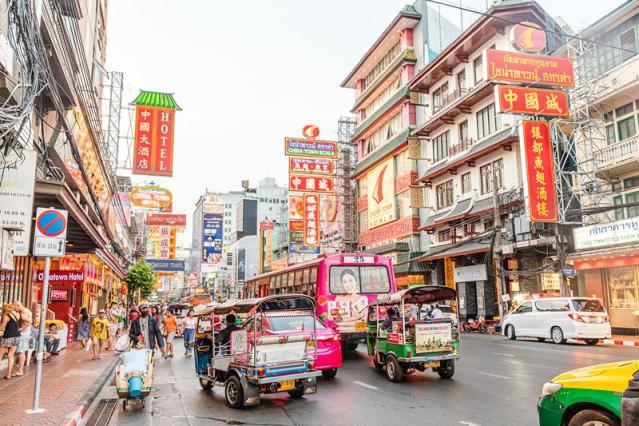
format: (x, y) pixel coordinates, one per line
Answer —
(50, 233)
(605, 234)
(471, 273)
(433, 337)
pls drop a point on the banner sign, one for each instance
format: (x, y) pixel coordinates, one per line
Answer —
(303, 183)
(318, 166)
(311, 220)
(59, 295)
(165, 242)
(151, 197)
(295, 207)
(381, 194)
(605, 234)
(295, 147)
(166, 265)
(539, 171)
(241, 265)
(55, 276)
(153, 141)
(169, 219)
(295, 225)
(530, 69)
(531, 101)
(302, 249)
(212, 225)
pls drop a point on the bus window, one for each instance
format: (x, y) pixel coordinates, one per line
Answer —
(281, 281)
(374, 279)
(291, 282)
(305, 275)
(298, 281)
(359, 279)
(313, 279)
(272, 283)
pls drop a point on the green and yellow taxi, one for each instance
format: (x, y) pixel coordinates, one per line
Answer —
(586, 396)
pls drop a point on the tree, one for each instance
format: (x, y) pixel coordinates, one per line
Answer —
(140, 277)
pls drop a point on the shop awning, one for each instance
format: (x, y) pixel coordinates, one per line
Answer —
(453, 250)
(82, 234)
(388, 248)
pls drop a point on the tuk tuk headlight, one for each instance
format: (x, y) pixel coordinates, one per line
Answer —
(550, 388)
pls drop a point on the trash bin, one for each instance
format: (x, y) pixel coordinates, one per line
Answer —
(135, 386)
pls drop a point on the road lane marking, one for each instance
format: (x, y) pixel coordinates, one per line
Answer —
(365, 385)
(502, 354)
(463, 422)
(493, 375)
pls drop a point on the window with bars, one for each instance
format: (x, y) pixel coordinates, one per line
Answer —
(628, 42)
(444, 194)
(487, 121)
(486, 173)
(441, 146)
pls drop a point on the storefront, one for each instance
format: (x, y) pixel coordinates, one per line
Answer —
(607, 258)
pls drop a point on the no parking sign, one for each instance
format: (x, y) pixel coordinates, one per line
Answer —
(49, 237)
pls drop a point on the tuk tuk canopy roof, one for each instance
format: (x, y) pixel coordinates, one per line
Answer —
(279, 302)
(420, 295)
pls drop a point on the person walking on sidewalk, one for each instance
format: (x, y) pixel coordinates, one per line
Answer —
(189, 332)
(145, 330)
(10, 328)
(83, 326)
(99, 332)
(25, 335)
(170, 328)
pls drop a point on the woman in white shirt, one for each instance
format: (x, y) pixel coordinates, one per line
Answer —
(189, 332)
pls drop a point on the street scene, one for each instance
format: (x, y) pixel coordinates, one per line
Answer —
(298, 213)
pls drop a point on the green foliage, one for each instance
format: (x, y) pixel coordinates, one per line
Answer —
(140, 277)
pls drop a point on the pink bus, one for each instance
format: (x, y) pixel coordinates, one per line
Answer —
(342, 284)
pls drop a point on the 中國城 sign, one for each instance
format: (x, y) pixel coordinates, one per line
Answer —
(531, 101)
(606, 234)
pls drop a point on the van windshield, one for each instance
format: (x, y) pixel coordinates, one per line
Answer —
(587, 305)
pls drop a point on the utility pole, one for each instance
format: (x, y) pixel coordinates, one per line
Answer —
(497, 256)
(561, 260)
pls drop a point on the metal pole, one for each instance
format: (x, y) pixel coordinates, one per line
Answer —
(497, 257)
(561, 259)
(40, 353)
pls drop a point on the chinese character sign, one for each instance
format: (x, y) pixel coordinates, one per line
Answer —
(153, 141)
(302, 183)
(311, 220)
(531, 101)
(530, 69)
(318, 166)
(539, 171)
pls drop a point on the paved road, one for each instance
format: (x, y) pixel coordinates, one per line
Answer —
(497, 382)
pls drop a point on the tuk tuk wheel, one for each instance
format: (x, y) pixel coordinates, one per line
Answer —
(394, 370)
(206, 384)
(446, 369)
(378, 365)
(329, 374)
(234, 393)
(296, 393)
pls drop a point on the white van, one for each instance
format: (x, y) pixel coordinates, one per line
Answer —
(558, 319)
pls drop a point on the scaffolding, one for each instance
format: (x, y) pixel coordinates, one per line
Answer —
(347, 186)
(110, 139)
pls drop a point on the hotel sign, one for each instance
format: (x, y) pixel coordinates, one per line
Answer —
(529, 69)
(531, 101)
(622, 231)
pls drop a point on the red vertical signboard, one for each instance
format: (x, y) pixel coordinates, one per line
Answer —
(164, 142)
(311, 220)
(153, 141)
(539, 171)
(143, 140)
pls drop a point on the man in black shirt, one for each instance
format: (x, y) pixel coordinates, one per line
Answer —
(630, 402)
(224, 336)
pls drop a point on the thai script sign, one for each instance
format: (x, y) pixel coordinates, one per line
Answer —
(152, 197)
(153, 141)
(531, 69)
(539, 171)
(622, 231)
(170, 219)
(381, 194)
(296, 147)
(310, 183)
(531, 101)
(311, 220)
(166, 265)
(319, 166)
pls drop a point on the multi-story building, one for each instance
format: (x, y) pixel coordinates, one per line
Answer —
(470, 152)
(387, 169)
(607, 252)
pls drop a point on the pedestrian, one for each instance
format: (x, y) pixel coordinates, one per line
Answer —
(112, 316)
(83, 326)
(121, 316)
(26, 318)
(145, 330)
(10, 328)
(630, 402)
(99, 332)
(189, 332)
(170, 328)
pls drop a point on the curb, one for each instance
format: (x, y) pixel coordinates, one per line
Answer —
(75, 417)
(614, 342)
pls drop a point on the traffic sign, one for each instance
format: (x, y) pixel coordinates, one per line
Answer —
(569, 272)
(49, 237)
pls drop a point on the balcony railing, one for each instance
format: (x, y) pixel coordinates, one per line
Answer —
(617, 152)
(461, 146)
(449, 99)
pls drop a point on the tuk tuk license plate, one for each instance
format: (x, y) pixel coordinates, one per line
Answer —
(360, 326)
(287, 385)
(432, 364)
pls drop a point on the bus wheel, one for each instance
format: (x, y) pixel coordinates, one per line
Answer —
(394, 370)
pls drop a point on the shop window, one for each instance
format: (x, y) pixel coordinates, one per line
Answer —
(610, 134)
(440, 146)
(617, 200)
(465, 183)
(632, 198)
(445, 194)
(622, 287)
(627, 128)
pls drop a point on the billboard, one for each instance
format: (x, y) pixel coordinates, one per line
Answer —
(241, 265)
(529, 69)
(316, 166)
(381, 194)
(531, 101)
(538, 169)
(323, 184)
(166, 265)
(212, 225)
(169, 219)
(153, 141)
(295, 207)
(311, 220)
(528, 37)
(302, 249)
(151, 197)
(164, 242)
(299, 147)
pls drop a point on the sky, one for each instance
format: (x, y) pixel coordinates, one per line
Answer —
(248, 73)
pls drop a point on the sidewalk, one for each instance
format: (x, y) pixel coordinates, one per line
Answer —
(622, 341)
(67, 386)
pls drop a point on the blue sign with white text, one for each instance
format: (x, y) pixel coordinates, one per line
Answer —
(166, 265)
(212, 225)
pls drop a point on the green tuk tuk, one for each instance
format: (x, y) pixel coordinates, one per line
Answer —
(399, 338)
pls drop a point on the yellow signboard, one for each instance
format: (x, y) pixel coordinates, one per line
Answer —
(449, 272)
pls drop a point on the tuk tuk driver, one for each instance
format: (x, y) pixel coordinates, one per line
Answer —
(391, 315)
(224, 336)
